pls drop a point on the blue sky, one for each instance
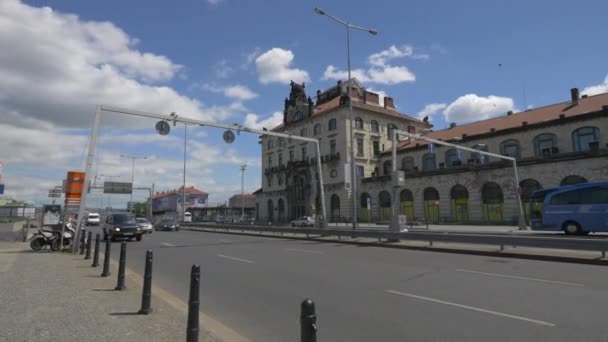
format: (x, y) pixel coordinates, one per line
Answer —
(231, 61)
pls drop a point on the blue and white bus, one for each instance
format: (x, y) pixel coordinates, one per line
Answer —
(575, 209)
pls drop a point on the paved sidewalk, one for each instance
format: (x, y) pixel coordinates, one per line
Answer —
(57, 296)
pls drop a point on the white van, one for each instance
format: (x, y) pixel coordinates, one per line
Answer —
(187, 217)
(93, 219)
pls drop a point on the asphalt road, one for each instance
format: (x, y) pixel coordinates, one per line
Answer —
(255, 285)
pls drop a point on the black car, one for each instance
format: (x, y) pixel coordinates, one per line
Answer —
(122, 225)
(166, 224)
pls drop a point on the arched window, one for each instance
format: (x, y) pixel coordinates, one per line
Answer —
(331, 125)
(364, 198)
(270, 210)
(374, 126)
(303, 132)
(281, 210)
(385, 205)
(528, 186)
(335, 208)
(510, 148)
(269, 144)
(358, 123)
(431, 194)
(460, 203)
(428, 162)
(407, 163)
(479, 157)
(452, 157)
(491, 193)
(545, 144)
(431, 204)
(571, 180)
(317, 129)
(387, 167)
(584, 137)
(389, 131)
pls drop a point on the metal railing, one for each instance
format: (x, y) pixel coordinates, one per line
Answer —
(494, 239)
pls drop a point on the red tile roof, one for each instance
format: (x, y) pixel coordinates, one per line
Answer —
(190, 191)
(586, 105)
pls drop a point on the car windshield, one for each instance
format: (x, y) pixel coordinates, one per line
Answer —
(94, 216)
(142, 220)
(166, 221)
(124, 219)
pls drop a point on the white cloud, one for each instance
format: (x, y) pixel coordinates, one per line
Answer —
(273, 66)
(472, 107)
(431, 110)
(381, 58)
(238, 92)
(597, 89)
(253, 121)
(222, 69)
(380, 71)
(59, 67)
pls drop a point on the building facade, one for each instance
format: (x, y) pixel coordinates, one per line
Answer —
(238, 201)
(170, 202)
(563, 143)
(290, 181)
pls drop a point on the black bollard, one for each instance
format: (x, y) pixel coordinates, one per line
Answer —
(120, 284)
(96, 253)
(146, 295)
(308, 321)
(87, 256)
(193, 304)
(82, 238)
(106, 260)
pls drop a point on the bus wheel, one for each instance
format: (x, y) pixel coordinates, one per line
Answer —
(572, 228)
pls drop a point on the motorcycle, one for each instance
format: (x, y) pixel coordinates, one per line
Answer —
(42, 239)
(68, 236)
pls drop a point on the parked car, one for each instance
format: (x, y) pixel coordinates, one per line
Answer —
(166, 224)
(145, 225)
(219, 219)
(304, 221)
(122, 225)
(93, 219)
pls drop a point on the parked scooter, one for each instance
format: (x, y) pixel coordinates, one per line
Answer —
(42, 239)
(68, 236)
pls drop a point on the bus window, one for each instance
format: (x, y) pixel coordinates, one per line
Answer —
(568, 197)
(536, 203)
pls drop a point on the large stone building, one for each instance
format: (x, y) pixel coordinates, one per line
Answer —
(169, 203)
(290, 186)
(559, 144)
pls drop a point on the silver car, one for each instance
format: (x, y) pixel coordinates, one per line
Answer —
(145, 225)
(304, 221)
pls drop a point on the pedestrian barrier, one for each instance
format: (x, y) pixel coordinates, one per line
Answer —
(120, 283)
(106, 259)
(549, 242)
(146, 296)
(87, 256)
(82, 241)
(193, 304)
(308, 321)
(96, 254)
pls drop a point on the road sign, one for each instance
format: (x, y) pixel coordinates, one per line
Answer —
(74, 184)
(117, 188)
(163, 128)
(53, 193)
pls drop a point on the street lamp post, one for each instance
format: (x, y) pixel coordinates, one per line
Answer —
(184, 183)
(132, 169)
(353, 180)
(243, 167)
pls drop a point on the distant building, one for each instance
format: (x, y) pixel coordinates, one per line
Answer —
(170, 202)
(236, 201)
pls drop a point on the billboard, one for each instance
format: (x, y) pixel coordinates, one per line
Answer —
(52, 214)
(74, 185)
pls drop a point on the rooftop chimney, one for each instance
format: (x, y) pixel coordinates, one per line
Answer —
(510, 112)
(452, 125)
(388, 102)
(372, 98)
(574, 95)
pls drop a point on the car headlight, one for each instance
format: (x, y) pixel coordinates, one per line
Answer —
(116, 229)
(138, 229)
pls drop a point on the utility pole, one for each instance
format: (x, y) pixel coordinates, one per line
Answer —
(243, 167)
(184, 185)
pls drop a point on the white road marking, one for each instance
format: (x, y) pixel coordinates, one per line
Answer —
(237, 259)
(166, 244)
(496, 313)
(303, 250)
(521, 278)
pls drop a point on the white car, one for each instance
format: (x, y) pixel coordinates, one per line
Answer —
(304, 221)
(93, 219)
(145, 225)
